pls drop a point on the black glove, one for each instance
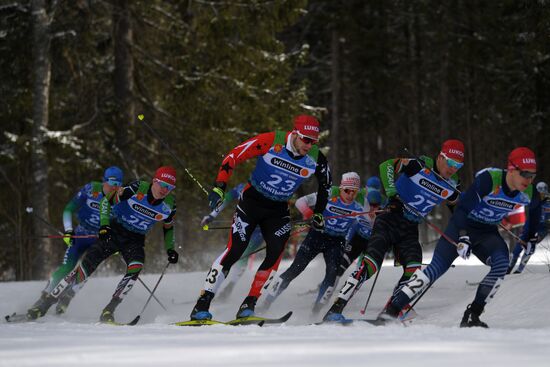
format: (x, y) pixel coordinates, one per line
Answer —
(215, 197)
(68, 239)
(172, 256)
(318, 222)
(105, 234)
(395, 205)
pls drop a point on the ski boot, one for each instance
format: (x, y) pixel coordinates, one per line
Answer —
(471, 316)
(390, 315)
(335, 312)
(407, 313)
(41, 306)
(247, 307)
(63, 302)
(200, 311)
(108, 313)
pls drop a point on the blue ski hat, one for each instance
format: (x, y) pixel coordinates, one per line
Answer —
(374, 197)
(374, 182)
(113, 175)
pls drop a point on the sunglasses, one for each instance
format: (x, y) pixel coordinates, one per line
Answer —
(113, 182)
(164, 185)
(525, 174)
(349, 191)
(306, 139)
(451, 162)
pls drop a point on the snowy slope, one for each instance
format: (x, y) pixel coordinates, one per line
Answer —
(519, 318)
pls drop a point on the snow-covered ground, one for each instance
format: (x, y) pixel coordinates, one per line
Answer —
(519, 317)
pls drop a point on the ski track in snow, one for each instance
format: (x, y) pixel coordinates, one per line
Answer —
(519, 317)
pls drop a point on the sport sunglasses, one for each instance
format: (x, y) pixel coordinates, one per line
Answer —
(451, 162)
(164, 185)
(525, 174)
(349, 191)
(306, 139)
(112, 181)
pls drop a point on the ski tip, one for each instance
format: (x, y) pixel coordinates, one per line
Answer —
(134, 321)
(261, 323)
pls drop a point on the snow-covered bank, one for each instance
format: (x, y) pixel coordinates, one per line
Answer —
(519, 318)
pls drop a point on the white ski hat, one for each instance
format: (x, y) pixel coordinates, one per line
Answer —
(350, 180)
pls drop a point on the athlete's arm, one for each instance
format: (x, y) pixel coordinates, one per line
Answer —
(122, 194)
(253, 147)
(72, 206)
(453, 199)
(168, 229)
(324, 181)
(305, 203)
(482, 185)
(534, 212)
(392, 167)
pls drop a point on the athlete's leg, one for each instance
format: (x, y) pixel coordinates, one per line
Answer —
(353, 249)
(239, 236)
(443, 257)
(332, 254)
(384, 234)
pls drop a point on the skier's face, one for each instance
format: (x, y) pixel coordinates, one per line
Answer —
(445, 170)
(348, 195)
(302, 144)
(520, 179)
(161, 189)
(108, 187)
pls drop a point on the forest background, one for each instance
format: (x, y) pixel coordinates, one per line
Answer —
(207, 75)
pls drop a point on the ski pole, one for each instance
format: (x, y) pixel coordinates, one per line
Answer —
(364, 309)
(151, 293)
(306, 221)
(30, 210)
(49, 236)
(141, 117)
(143, 283)
(136, 319)
(416, 301)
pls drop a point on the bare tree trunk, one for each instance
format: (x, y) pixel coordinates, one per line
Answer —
(444, 132)
(415, 102)
(336, 89)
(43, 261)
(124, 82)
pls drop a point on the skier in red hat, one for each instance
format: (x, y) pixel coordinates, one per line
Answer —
(285, 159)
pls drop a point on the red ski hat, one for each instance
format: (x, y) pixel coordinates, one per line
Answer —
(522, 158)
(166, 174)
(453, 149)
(307, 125)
